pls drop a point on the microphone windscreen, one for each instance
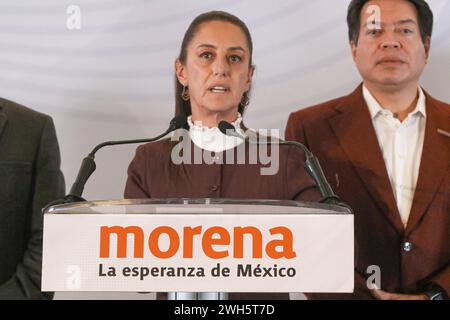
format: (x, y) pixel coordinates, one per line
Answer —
(178, 122)
(226, 128)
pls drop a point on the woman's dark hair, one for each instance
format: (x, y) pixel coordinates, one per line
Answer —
(184, 107)
(424, 13)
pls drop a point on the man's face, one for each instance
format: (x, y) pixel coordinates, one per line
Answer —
(391, 51)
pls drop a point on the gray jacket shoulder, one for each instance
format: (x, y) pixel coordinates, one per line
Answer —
(21, 131)
(15, 111)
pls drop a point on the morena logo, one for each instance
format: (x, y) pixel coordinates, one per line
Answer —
(280, 246)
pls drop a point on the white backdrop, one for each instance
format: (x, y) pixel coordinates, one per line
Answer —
(109, 74)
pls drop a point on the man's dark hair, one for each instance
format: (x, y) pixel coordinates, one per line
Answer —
(424, 14)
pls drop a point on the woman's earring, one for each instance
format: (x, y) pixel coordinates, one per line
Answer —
(185, 94)
(245, 100)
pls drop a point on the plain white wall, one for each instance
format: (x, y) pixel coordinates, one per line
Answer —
(113, 78)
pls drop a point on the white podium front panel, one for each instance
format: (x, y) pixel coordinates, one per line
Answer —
(197, 248)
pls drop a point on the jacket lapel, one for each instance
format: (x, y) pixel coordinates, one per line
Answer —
(354, 129)
(434, 163)
(3, 120)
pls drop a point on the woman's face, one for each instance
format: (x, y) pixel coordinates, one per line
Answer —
(217, 72)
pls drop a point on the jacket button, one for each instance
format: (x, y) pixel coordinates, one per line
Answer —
(407, 246)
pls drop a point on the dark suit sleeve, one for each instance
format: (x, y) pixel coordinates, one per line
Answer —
(136, 187)
(47, 185)
(295, 132)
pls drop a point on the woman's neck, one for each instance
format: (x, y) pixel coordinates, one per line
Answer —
(212, 119)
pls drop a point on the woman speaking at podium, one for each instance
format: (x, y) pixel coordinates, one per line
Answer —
(213, 79)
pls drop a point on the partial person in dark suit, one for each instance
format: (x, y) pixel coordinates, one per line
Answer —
(30, 177)
(385, 149)
(213, 79)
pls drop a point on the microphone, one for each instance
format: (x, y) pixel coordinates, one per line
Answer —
(311, 165)
(88, 165)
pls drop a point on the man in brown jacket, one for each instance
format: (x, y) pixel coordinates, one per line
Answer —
(385, 149)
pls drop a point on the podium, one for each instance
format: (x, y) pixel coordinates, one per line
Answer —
(198, 248)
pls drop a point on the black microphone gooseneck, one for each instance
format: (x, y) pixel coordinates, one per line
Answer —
(88, 165)
(312, 165)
